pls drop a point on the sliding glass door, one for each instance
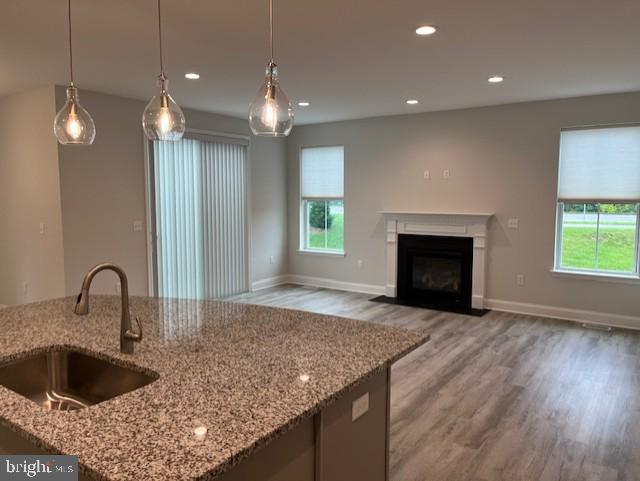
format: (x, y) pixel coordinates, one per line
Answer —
(199, 200)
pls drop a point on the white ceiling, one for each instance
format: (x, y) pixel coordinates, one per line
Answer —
(349, 58)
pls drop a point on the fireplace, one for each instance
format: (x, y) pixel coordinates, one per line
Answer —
(435, 271)
(436, 260)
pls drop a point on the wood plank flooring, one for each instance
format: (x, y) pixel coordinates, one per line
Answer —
(504, 397)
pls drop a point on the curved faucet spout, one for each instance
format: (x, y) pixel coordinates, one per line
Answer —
(127, 336)
(82, 304)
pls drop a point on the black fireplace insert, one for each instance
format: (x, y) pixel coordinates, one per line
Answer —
(435, 272)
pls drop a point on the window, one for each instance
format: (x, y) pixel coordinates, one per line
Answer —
(322, 199)
(599, 201)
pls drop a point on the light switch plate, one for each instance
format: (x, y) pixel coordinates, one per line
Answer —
(137, 226)
(359, 407)
(512, 223)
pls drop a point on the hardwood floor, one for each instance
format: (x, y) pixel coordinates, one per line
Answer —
(504, 397)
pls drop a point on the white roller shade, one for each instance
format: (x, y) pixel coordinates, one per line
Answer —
(600, 164)
(322, 172)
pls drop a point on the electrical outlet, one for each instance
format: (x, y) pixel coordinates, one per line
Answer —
(137, 226)
(359, 407)
(512, 223)
(446, 173)
(520, 279)
(427, 175)
(360, 263)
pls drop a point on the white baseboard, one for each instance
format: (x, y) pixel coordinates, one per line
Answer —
(575, 315)
(334, 284)
(269, 282)
(317, 282)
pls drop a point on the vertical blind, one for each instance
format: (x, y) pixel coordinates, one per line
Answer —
(322, 172)
(201, 218)
(600, 164)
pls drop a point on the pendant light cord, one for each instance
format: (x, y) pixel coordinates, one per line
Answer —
(271, 27)
(70, 45)
(160, 38)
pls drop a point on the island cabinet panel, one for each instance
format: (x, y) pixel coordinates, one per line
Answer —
(332, 446)
(357, 449)
(291, 457)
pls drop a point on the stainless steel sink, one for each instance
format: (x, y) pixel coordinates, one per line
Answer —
(64, 379)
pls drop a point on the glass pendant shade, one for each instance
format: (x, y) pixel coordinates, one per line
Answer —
(73, 125)
(270, 113)
(163, 118)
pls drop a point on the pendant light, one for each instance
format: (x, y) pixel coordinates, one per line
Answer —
(270, 113)
(73, 125)
(162, 118)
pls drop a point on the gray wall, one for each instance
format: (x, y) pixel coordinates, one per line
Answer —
(268, 207)
(502, 159)
(29, 195)
(103, 193)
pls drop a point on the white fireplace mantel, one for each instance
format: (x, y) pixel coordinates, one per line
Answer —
(463, 224)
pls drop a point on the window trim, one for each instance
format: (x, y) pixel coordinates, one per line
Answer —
(302, 230)
(594, 274)
(318, 252)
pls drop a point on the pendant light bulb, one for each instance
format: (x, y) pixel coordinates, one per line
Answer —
(271, 113)
(73, 125)
(165, 122)
(163, 118)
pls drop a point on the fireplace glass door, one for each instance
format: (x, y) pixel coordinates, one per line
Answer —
(435, 271)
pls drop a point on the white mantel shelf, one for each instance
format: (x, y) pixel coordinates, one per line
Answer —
(485, 215)
(462, 224)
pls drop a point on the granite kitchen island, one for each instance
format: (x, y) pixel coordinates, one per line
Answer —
(286, 394)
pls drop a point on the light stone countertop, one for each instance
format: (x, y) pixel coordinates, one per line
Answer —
(234, 368)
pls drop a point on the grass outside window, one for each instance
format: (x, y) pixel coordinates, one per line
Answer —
(324, 220)
(599, 238)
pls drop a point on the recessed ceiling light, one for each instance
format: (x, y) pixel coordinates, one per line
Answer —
(304, 104)
(413, 102)
(426, 30)
(192, 76)
(495, 79)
